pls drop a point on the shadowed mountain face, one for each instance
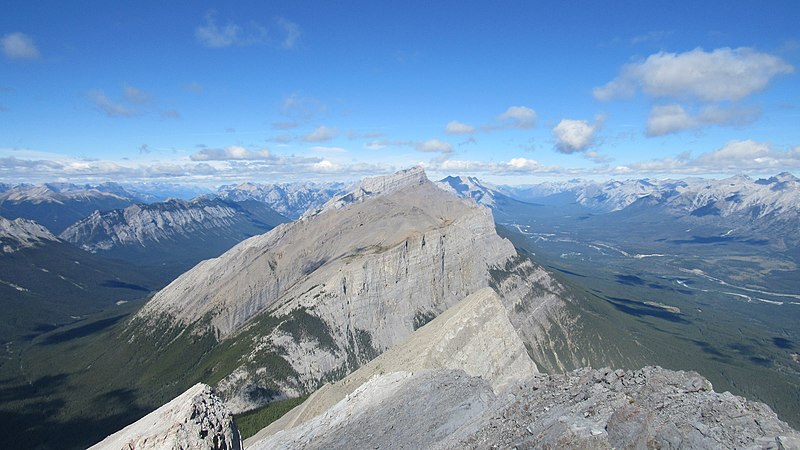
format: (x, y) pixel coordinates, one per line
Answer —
(175, 234)
(58, 205)
(46, 282)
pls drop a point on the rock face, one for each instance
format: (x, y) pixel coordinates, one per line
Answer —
(22, 233)
(196, 419)
(584, 409)
(474, 336)
(151, 225)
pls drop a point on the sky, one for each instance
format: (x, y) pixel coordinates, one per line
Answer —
(513, 92)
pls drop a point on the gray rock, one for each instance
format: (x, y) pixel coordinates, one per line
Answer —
(196, 419)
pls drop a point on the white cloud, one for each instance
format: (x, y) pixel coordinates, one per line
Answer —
(523, 164)
(519, 117)
(321, 134)
(325, 166)
(375, 145)
(291, 31)
(723, 74)
(456, 127)
(214, 36)
(514, 166)
(574, 136)
(233, 152)
(19, 46)
(136, 95)
(739, 153)
(322, 149)
(733, 157)
(108, 107)
(302, 108)
(665, 119)
(434, 145)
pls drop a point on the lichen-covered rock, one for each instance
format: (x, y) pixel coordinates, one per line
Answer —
(196, 419)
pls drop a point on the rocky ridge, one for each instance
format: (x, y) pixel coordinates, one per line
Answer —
(584, 409)
(22, 233)
(475, 336)
(147, 225)
(196, 419)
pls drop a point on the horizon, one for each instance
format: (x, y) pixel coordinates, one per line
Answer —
(204, 94)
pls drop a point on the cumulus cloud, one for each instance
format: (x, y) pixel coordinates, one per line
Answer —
(723, 74)
(456, 127)
(19, 46)
(574, 136)
(233, 152)
(518, 117)
(665, 119)
(434, 146)
(321, 134)
(110, 108)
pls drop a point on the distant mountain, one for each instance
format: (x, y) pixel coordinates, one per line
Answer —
(483, 193)
(762, 208)
(289, 199)
(46, 282)
(59, 205)
(176, 234)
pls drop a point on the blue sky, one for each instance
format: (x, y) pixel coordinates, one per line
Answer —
(512, 92)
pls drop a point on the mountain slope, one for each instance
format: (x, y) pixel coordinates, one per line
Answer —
(45, 282)
(59, 205)
(474, 335)
(174, 233)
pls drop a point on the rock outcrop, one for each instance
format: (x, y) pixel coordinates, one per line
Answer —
(196, 419)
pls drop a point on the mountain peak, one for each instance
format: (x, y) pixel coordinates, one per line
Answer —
(21, 233)
(373, 186)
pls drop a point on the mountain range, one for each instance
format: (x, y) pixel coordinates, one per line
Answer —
(175, 234)
(391, 292)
